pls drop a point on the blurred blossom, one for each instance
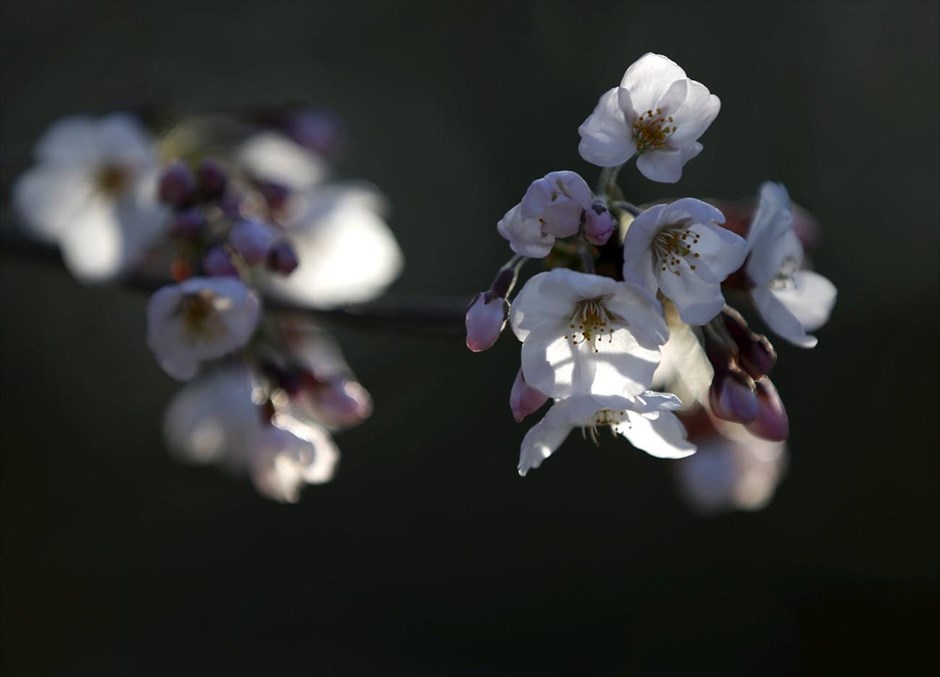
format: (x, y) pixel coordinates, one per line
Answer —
(212, 418)
(732, 470)
(274, 158)
(94, 193)
(198, 320)
(288, 454)
(218, 419)
(347, 253)
(657, 113)
(791, 300)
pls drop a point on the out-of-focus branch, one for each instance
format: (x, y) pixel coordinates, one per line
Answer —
(435, 314)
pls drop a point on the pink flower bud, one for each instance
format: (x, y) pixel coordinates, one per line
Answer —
(282, 258)
(772, 422)
(252, 240)
(342, 402)
(732, 397)
(598, 224)
(218, 263)
(188, 223)
(524, 399)
(211, 178)
(486, 317)
(177, 186)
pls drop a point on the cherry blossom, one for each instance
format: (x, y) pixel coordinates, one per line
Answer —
(198, 320)
(791, 300)
(587, 334)
(657, 113)
(94, 193)
(681, 249)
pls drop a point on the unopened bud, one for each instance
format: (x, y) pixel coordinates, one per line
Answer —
(188, 224)
(275, 194)
(486, 317)
(772, 422)
(524, 399)
(218, 263)
(756, 354)
(282, 257)
(317, 130)
(732, 397)
(211, 178)
(252, 240)
(177, 186)
(598, 224)
(342, 402)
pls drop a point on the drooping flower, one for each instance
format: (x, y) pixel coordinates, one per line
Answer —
(216, 419)
(197, 320)
(681, 249)
(94, 193)
(657, 113)
(732, 470)
(288, 454)
(646, 421)
(791, 300)
(587, 334)
(213, 418)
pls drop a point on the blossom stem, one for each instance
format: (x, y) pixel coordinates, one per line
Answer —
(405, 314)
(607, 183)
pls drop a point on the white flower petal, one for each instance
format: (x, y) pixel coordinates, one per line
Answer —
(665, 166)
(662, 437)
(621, 366)
(48, 198)
(93, 243)
(272, 157)
(525, 235)
(606, 136)
(810, 297)
(212, 419)
(347, 252)
(69, 142)
(780, 319)
(541, 442)
(698, 110)
(649, 78)
(697, 300)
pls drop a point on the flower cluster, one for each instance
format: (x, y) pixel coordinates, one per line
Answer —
(237, 211)
(631, 326)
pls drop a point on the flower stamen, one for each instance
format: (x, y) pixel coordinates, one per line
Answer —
(590, 321)
(674, 243)
(651, 130)
(201, 321)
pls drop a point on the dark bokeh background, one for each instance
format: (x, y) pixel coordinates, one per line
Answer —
(427, 554)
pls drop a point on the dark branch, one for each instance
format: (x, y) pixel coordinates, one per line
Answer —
(391, 313)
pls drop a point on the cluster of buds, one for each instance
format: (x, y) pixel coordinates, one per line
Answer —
(233, 223)
(630, 327)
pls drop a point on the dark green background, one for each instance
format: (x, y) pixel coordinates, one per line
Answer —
(427, 554)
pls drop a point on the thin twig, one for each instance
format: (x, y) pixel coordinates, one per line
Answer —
(436, 314)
